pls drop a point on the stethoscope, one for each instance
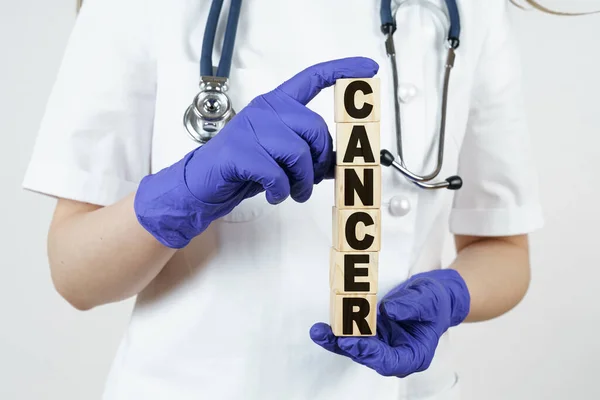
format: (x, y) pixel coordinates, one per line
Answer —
(211, 109)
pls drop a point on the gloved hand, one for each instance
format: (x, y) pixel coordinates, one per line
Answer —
(411, 319)
(275, 144)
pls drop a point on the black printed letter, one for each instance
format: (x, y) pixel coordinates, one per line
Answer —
(351, 238)
(353, 184)
(353, 87)
(351, 272)
(360, 316)
(359, 134)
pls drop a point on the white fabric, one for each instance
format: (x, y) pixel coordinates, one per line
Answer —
(228, 317)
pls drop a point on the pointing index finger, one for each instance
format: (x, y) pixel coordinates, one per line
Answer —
(305, 85)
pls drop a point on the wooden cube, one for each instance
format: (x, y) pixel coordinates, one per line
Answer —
(358, 144)
(358, 187)
(354, 272)
(357, 100)
(356, 229)
(353, 314)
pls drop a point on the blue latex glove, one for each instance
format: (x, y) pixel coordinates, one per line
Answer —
(275, 144)
(411, 319)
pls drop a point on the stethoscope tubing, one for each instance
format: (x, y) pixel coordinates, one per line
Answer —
(388, 27)
(208, 43)
(387, 20)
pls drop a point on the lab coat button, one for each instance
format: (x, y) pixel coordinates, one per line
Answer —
(399, 206)
(407, 92)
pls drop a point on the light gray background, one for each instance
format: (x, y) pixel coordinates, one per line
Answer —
(547, 348)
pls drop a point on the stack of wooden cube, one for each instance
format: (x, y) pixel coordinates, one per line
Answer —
(356, 214)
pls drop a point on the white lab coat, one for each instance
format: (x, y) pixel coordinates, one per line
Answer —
(228, 317)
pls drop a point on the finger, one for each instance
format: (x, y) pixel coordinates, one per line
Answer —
(299, 167)
(330, 169)
(415, 302)
(259, 166)
(308, 125)
(375, 354)
(304, 86)
(321, 334)
(292, 154)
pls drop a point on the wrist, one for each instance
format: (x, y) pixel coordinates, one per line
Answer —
(459, 293)
(456, 287)
(166, 208)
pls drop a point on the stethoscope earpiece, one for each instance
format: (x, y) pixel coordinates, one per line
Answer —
(387, 159)
(455, 182)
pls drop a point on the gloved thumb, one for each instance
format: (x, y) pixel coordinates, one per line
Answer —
(305, 85)
(321, 334)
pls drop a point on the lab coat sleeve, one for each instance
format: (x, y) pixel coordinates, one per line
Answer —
(500, 191)
(94, 141)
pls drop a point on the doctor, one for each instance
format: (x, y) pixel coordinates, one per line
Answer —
(226, 245)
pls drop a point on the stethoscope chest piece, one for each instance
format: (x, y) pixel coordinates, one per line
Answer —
(210, 110)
